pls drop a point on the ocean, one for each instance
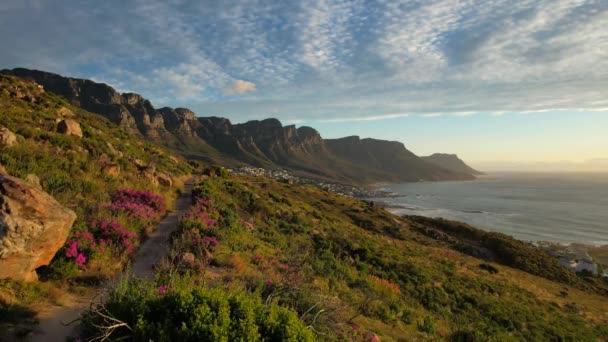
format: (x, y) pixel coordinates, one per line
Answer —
(562, 208)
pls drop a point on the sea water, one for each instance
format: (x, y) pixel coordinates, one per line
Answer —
(563, 208)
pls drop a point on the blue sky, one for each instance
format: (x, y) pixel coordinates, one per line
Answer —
(489, 80)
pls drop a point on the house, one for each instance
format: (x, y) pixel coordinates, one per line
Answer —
(586, 264)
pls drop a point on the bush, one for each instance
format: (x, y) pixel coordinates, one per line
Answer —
(427, 325)
(182, 312)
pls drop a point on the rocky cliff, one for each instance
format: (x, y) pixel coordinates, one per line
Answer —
(266, 143)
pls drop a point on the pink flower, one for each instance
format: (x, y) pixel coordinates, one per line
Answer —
(81, 259)
(211, 240)
(163, 289)
(72, 250)
(269, 282)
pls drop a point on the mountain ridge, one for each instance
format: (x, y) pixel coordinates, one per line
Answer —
(261, 143)
(451, 162)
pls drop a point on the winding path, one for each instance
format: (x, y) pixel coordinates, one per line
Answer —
(153, 250)
(157, 245)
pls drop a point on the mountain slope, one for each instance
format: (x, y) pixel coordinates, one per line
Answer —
(347, 268)
(390, 160)
(451, 162)
(264, 143)
(351, 269)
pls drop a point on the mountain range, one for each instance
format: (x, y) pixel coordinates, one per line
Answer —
(266, 143)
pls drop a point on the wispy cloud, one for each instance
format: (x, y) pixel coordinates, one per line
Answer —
(331, 60)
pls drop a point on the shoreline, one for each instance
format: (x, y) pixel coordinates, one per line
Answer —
(389, 206)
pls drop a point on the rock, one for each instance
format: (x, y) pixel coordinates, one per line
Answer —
(151, 167)
(111, 169)
(174, 159)
(69, 127)
(114, 151)
(140, 164)
(65, 112)
(164, 179)
(150, 177)
(33, 180)
(33, 227)
(188, 258)
(7, 138)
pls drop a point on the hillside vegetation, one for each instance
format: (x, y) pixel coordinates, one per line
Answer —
(107, 176)
(257, 259)
(352, 270)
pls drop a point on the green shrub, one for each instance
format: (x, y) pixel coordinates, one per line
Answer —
(427, 325)
(184, 312)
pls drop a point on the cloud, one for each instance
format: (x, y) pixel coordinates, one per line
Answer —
(241, 87)
(325, 59)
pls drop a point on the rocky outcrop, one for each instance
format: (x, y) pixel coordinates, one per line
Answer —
(7, 138)
(33, 227)
(69, 127)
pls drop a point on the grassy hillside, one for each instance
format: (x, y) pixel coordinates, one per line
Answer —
(352, 270)
(97, 175)
(272, 261)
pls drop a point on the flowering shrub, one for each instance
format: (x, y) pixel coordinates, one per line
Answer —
(137, 211)
(113, 231)
(145, 207)
(147, 198)
(72, 252)
(83, 244)
(199, 216)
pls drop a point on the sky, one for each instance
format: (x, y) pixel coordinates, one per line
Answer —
(499, 82)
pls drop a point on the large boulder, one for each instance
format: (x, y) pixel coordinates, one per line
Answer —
(69, 127)
(7, 138)
(33, 227)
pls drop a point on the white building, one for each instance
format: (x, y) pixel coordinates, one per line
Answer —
(586, 265)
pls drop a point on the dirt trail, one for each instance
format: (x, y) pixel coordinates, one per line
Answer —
(154, 249)
(157, 245)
